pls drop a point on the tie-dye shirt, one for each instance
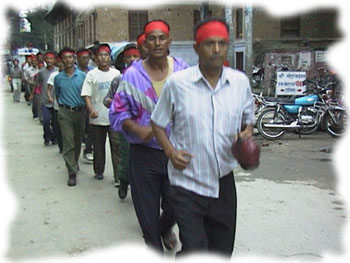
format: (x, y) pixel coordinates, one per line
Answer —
(135, 99)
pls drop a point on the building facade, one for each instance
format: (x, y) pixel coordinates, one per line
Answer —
(256, 38)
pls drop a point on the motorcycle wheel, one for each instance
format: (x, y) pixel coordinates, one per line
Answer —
(335, 125)
(268, 116)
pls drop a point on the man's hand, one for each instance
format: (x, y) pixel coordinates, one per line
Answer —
(247, 132)
(94, 115)
(180, 159)
(50, 100)
(108, 101)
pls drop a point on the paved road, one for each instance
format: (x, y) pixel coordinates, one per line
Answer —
(287, 209)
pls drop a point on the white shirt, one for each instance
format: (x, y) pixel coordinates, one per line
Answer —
(96, 86)
(30, 72)
(205, 122)
(51, 82)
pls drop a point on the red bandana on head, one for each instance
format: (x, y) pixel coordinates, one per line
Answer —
(141, 39)
(82, 53)
(211, 29)
(50, 55)
(130, 52)
(156, 25)
(103, 48)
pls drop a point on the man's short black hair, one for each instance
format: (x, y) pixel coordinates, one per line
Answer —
(66, 49)
(155, 20)
(207, 20)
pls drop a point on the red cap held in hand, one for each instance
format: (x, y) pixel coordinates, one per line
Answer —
(247, 153)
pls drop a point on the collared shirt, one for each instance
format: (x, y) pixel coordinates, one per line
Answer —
(205, 123)
(68, 88)
(135, 99)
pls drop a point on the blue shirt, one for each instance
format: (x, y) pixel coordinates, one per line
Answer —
(68, 88)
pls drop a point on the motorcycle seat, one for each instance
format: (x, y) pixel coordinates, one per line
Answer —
(284, 101)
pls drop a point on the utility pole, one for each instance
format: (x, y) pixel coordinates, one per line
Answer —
(204, 9)
(229, 22)
(248, 29)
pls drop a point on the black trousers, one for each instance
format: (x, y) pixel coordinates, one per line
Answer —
(149, 182)
(99, 136)
(206, 224)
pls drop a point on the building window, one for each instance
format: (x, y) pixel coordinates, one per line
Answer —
(240, 61)
(137, 20)
(290, 27)
(239, 23)
(197, 16)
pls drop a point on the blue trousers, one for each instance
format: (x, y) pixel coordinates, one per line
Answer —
(49, 132)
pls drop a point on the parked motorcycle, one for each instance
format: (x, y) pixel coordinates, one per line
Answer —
(257, 76)
(303, 114)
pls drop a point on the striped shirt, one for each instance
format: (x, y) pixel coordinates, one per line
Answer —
(205, 123)
(135, 99)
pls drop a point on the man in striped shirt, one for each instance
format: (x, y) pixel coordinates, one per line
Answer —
(208, 105)
(130, 114)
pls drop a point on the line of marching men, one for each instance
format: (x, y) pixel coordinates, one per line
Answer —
(170, 128)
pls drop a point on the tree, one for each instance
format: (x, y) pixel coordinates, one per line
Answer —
(41, 35)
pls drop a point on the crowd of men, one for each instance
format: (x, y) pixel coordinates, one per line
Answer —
(170, 128)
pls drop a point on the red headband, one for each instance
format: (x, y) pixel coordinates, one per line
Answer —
(211, 29)
(131, 51)
(67, 52)
(141, 39)
(156, 25)
(103, 48)
(83, 52)
(50, 55)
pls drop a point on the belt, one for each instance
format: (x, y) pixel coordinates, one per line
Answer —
(72, 108)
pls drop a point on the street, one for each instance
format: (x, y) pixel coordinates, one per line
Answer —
(288, 208)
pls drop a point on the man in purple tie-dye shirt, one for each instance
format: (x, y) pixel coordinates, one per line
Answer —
(130, 114)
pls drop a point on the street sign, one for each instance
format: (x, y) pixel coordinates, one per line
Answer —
(290, 83)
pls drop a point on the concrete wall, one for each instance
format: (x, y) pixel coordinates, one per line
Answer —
(112, 24)
(179, 17)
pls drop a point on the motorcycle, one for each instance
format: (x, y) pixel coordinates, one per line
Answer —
(257, 76)
(302, 114)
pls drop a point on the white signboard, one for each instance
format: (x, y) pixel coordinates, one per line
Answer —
(290, 83)
(320, 56)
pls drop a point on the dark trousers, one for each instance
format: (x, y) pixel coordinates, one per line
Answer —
(48, 126)
(149, 182)
(206, 224)
(37, 107)
(57, 129)
(72, 124)
(99, 135)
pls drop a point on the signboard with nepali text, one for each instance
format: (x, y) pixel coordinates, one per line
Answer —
(290, 83)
